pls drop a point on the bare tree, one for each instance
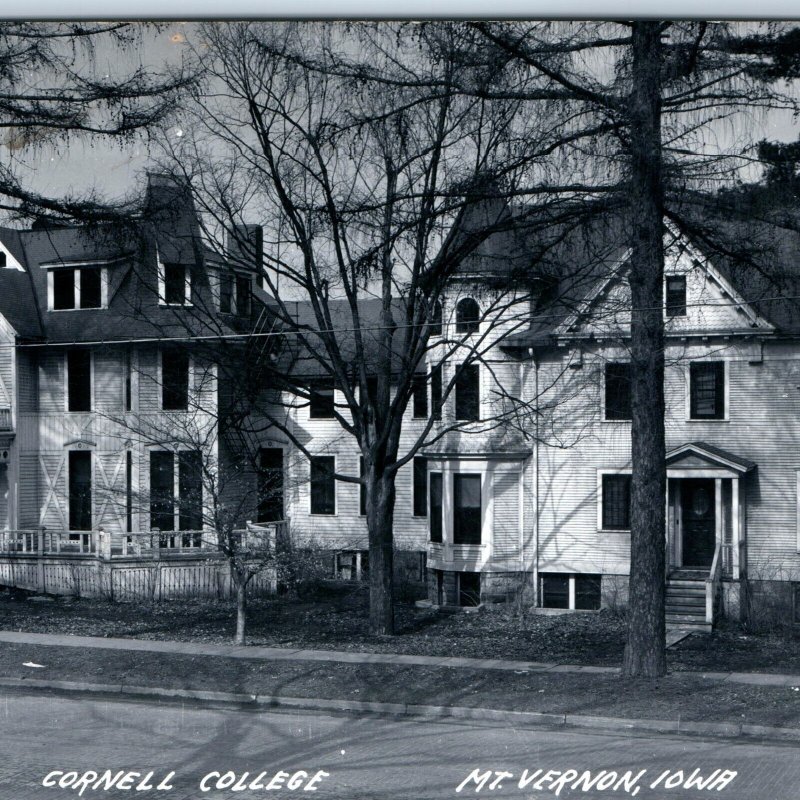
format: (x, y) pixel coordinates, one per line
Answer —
(381, 187)
(672, 105)
(54, 92)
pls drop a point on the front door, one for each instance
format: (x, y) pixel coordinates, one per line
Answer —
(699, 523)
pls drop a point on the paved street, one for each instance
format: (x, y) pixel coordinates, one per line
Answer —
(366, 758)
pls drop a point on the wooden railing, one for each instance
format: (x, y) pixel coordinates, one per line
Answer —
(723, 555)
(5, 419)
(99, 543)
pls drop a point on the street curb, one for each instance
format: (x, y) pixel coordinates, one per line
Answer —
(729, 730)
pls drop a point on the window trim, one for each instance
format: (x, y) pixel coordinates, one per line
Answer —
(461, 371)
(604, 393)
(436, 321)
(600, 475)
(76, 269)
(189, 386)
(726, 391)
(419, 386)
(312, 392)
(684, 312)
(335, 487)
(91, 381)
(415, 486)
(436, 406)
(176, 490)
(161, 269)
(442, 525)
(572, 592)
(468, 328)
(481, 509)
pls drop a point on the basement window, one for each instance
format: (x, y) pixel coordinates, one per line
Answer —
(578, 592)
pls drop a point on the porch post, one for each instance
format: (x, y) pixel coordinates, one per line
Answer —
(670, 532)
(735, 525)
(719, 521)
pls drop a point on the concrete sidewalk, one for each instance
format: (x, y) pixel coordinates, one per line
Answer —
(347, 657)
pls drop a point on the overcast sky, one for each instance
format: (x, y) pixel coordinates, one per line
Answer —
(117, 170)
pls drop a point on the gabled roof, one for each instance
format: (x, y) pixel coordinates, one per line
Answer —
(714, 456)
(168, 228)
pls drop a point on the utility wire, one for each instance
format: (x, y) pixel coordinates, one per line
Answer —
(363, 329)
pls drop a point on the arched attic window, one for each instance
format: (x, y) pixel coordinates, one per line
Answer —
(436, 319)
(467, 316)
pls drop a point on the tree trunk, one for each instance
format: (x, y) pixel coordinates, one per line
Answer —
(241, 608)
(645, 650)
(380, 523)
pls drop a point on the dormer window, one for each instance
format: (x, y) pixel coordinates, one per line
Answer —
(83, 287)
(235, 294)
(676, 295)
(175, 289)
(243, 295)
(467, 316)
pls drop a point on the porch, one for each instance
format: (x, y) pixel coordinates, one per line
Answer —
(706, 531)
(153, 565)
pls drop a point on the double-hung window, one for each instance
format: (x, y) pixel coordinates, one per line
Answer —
(435, 522)
(176, 288)
(467, 391)
(618, 391)
(321, 402)
(616, 502)
(707, 390)
(79, 380)
(323, 485)
(184, 512)
(420, 486)
(466, 509)
(419, 396)
(174, 380)
(675, 291)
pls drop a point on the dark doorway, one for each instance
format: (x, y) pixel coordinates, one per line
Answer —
(699, 522)
(469, 588)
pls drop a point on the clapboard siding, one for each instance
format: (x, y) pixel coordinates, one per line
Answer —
(108, 384)
(764, 409)
(27, 381)
(52, 382)
(28, 490)
(506, 521)
(149, 386)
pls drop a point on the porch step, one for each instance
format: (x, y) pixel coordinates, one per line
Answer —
(686, 600)
(685, 584)
(694, 621)
(691, 609)
(695, 590)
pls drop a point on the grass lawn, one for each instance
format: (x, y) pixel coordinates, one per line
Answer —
(337, 621)
(685, 696)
